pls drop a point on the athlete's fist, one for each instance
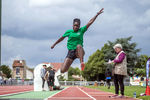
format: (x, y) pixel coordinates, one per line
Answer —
(52, 46)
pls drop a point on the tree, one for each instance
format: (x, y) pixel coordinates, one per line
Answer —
(140, 67)
(141, 61)
(77, 71)
(73, 71)
(140, 72)
(129, 48)
(95, 66)
(61, 78)
(97, 62)
(6, 70)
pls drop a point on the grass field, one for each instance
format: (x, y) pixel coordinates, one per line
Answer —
(129, 90)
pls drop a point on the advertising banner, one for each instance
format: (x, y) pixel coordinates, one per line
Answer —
(147, 71)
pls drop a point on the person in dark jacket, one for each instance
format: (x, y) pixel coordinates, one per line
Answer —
(108, 77)
(50, 74)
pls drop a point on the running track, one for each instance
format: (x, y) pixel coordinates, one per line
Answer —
(5, 90)
(70, 93)
(83, 93)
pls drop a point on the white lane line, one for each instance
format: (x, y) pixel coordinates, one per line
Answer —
(14, 93)
(100, 93)
(86, 93)
(56, 93)
(70, 98)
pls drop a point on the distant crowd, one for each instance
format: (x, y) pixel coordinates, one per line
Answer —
(9, 81)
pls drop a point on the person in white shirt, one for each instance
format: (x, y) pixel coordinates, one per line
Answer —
(43, 72)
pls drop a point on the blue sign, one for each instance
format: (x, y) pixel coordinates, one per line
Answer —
(108, 78)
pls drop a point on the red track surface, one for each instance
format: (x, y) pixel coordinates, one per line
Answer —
(70, 93)
(4, 90)
(82, 93)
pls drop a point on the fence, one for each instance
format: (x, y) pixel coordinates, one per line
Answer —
(87, 83)
(16, 82)
(65, 83)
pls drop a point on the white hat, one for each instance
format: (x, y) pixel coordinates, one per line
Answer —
(117, 46)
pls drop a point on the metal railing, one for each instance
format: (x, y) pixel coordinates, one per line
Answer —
(65, 83)
(16, 82)
(87, 83)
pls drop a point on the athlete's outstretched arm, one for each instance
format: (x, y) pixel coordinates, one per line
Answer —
(59, 40)
(93, 19)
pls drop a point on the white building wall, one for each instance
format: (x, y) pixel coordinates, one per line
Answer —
(29, 74)
(66, 75)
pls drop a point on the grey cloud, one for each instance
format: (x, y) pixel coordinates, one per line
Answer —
(33, 51)
(28, 29)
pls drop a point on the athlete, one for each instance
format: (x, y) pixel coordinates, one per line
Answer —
(75, 42)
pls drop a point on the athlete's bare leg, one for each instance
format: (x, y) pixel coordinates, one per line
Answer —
(66, 65)
(80, 53)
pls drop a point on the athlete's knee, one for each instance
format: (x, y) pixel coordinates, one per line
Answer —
(62, 71)
(79, 46)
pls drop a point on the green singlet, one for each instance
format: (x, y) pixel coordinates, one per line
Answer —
(75, 38)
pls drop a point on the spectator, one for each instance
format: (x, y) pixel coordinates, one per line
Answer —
(120, 70)
(108, 78)
(43, 72)
(50, 79)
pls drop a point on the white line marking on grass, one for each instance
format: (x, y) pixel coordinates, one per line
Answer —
(55, 94)
(86, 93)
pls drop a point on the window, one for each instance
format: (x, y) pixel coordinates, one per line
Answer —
(17, 70)
(17, 77)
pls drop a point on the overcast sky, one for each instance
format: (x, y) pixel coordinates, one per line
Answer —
(30, 27)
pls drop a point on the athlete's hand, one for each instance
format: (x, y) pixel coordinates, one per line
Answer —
(52, 46)
(101, 11)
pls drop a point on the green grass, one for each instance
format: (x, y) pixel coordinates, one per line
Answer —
(129, 90)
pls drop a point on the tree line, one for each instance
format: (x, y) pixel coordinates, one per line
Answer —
(97, 62)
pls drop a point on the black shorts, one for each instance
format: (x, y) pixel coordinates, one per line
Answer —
(51, 81)
(71, 54)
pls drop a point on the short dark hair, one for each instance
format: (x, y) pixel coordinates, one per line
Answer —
(44, 65)
(76, 20)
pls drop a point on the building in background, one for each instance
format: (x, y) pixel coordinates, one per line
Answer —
(21, 70)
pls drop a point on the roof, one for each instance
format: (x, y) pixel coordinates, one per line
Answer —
(18, 63)
(30, 69)
(56, 65)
